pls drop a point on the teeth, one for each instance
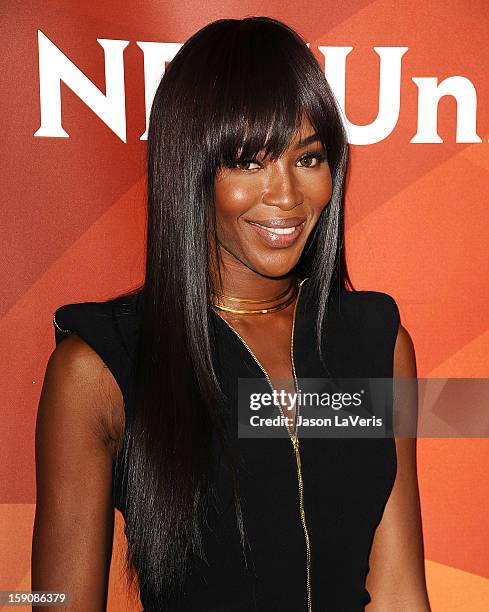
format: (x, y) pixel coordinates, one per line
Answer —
(279, 230)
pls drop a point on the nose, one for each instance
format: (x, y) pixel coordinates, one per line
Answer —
(282, 188)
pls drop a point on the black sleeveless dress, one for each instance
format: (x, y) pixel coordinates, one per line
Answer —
(345, 481)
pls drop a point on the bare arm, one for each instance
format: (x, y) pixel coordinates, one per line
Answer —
(396, 580)
(75, 441)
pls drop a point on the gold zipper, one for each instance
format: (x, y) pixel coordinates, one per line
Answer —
(295, 443)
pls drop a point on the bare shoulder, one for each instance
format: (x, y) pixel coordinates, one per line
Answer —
(76, 371)
(396, 578)
(76, 433)
(404, 355)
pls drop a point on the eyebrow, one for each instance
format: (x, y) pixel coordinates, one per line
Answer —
(308, 140)
(312, 138)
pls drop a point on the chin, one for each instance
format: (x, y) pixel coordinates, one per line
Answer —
(275, 269)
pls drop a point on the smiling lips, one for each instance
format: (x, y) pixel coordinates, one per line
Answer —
(278, 232)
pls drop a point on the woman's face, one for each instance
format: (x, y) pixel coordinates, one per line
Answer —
(286, 195)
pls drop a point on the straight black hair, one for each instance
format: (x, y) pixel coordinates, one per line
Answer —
(237, 85)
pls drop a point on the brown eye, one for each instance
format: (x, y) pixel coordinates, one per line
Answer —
(312, 160)
(241, 164)
(309, 161)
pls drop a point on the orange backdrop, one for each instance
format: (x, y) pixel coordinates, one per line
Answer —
(417, 222)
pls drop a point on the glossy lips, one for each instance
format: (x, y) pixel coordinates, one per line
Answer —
(279, 233)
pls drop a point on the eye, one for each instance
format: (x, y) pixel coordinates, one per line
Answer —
(245, 162)
(312, 159)
(309, 160)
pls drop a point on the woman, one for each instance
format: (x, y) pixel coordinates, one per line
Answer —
(245, 277)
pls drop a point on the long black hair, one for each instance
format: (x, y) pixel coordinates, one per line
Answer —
(235, 85)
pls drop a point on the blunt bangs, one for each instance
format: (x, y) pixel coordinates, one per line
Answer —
(260, 82)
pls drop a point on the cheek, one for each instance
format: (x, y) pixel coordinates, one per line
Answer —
(229, 203)
(233, 198)
(319, 190)
(233, 194)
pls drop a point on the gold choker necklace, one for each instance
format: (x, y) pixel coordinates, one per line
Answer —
(294, 286)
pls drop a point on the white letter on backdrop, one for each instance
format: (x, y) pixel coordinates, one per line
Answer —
(429, 95)
(55, 67)
(155, 56)
(389, 94)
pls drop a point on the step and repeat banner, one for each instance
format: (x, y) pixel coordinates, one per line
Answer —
(411, 76)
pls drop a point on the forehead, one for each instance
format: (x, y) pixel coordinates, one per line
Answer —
(304, 130)
(269, 137)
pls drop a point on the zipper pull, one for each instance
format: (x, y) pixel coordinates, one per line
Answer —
(295, 442)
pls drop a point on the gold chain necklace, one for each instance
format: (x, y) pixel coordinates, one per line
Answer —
(294, 286)
(294, 438)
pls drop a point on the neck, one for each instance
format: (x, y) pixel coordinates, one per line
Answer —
(238, 281)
